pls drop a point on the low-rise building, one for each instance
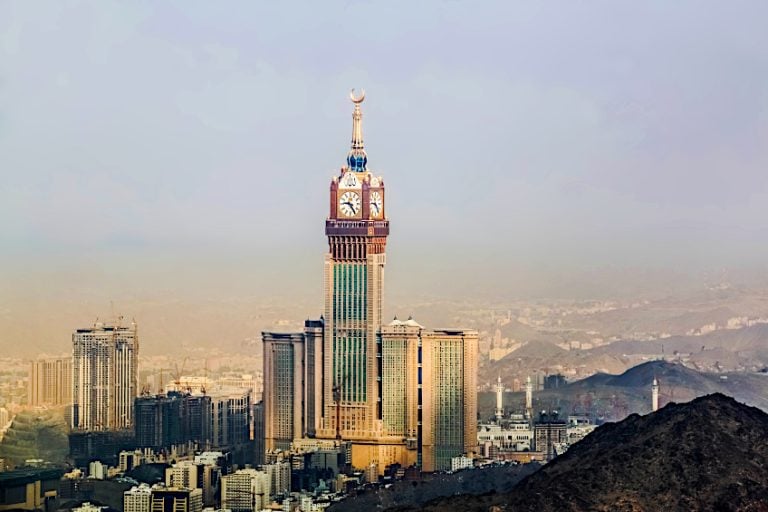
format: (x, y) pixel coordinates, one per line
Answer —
(29, 489)
(138, 499)
(462, 462)
(177, 500)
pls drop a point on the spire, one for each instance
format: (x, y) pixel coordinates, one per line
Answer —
(356, 158)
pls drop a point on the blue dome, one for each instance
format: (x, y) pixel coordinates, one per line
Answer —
(357, 161)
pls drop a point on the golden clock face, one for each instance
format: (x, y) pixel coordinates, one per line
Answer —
(349, 204)
(377, 204)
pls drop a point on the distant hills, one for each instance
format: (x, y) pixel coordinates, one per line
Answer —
(614, 396)
(706, 455)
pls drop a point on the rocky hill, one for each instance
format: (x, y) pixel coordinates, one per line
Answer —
(708, 454)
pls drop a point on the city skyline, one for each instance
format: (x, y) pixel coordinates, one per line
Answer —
(578, 200)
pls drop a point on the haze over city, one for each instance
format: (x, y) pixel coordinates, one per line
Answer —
(167, 147)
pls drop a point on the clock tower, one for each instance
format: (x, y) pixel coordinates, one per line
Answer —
(357, 230)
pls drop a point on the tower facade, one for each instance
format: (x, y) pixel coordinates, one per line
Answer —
(393, 393)
(449, 395)
(283, 389)
(104, 376)
(655, 395)
(50, 382)
(357, 230)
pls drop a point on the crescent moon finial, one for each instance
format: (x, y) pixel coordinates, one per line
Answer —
(359, 100)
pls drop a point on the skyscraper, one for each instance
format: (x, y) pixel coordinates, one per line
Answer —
(396, 393)
(293, 365)
(231, 411)
(357, 231)
(158, 421)
(449, 388)
(50, 381)
(104, 376)
(283, 389)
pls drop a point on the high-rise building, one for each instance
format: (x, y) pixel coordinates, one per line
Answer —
(231, 423)
(428, 394)
(357, 230)
(104, 376)
(449, 388)
(313, 375)
(50, 382)
(162, 421)
(258, 433)
(345, 378)
(283, 397)
(158, 421)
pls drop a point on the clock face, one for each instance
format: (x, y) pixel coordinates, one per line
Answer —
(349, 203)
(377, 204)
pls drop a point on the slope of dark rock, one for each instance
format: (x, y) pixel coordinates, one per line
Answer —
(710, 454)
(642, 375)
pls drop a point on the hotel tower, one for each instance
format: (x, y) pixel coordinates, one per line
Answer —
(351, 379)
(357, 231)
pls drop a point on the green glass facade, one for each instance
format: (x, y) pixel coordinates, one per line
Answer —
(350, 332)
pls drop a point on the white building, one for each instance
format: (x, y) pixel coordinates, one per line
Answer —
(182, 475)
(514, 436)
(88, 507)
(209, 458)
(137, 499)
(462, 462)
(192, 475)
(280, 477)
(246, 490)
(97, 470)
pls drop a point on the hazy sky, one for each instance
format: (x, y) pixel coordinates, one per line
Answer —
(188, 146)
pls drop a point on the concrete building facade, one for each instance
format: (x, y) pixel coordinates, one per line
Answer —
(50, 382)
(104, 376)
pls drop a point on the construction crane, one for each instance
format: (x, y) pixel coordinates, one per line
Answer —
(178, 372)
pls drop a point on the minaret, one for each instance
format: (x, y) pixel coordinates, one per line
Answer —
(655, 395)
(528, 398)
(499, 399)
